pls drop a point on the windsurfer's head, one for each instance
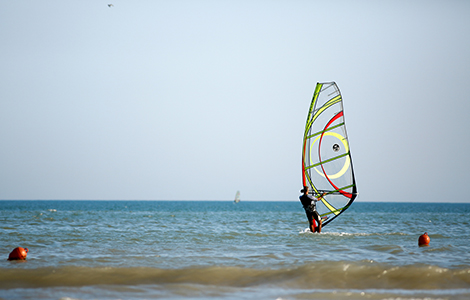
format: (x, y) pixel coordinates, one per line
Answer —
(304, 190)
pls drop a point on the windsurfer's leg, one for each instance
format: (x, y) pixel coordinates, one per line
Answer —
(319, 222)
(312, 227)
(311, 221)
(319, 226)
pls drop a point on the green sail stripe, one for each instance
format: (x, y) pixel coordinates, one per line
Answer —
(327, 161)
(336, 212)
(329, 128)
(329, 206)
(341, 189)
(334, 191)
(316, 92)
(330, 102)
(332, 209)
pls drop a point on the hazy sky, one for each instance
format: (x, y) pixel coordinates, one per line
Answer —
(194, 100)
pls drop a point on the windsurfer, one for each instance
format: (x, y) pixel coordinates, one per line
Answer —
(310, 205)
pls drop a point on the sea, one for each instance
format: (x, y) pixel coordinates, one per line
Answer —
(227, 250)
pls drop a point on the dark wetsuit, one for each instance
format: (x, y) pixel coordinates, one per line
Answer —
(310, 206)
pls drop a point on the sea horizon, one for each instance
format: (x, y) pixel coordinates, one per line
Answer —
(228, 200)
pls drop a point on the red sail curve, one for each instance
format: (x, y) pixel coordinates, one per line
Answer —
(338, 115)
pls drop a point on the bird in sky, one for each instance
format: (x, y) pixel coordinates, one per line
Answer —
(110, 5)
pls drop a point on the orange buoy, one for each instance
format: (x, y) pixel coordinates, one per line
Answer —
(424, 240)
(18, 253)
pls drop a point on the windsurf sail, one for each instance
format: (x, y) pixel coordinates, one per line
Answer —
(237, 197)
(326, 156)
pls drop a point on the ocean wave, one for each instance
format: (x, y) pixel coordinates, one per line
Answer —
(319, 275)
(326, 233)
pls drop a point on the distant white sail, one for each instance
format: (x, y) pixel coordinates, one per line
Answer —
(237, 197)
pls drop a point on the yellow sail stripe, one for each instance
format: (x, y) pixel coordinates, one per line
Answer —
(331, 102)
(330, 207)
(329, 129)
(336, 212)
